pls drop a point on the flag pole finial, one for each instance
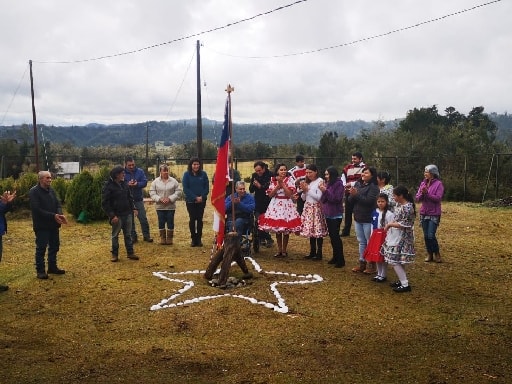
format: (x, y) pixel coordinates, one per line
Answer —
(230, 89)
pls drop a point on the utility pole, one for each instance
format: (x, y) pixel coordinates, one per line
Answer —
(199, 118)
(34, 123)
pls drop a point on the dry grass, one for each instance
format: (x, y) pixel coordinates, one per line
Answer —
(94, 324)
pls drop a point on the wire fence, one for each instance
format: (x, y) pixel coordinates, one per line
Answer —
(474, 178)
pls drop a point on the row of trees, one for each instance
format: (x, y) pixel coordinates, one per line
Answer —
(425, 134)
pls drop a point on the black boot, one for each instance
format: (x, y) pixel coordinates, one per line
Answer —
(199, 233)
(319, 244)
(192, 228)
(312, 248)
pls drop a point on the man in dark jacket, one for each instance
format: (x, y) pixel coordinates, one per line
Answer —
(260, 181)
(136, 180)
(117, 202)
(47, 218)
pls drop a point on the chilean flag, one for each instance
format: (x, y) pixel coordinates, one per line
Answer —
(218, 195)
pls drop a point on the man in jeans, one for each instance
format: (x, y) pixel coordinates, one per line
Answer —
(117, 202)
(47, 218)
(136, 180)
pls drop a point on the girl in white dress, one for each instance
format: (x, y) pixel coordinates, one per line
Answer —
(314, 225)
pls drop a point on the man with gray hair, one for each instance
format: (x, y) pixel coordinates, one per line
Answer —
(47, 218)
(243, 204)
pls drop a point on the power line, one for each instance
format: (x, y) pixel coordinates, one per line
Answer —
(174, 40)
(14, 96)
(362, 39)
(181, 85)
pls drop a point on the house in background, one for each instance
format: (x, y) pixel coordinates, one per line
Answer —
(68, 170)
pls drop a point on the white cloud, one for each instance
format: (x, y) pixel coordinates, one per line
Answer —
(461, 61)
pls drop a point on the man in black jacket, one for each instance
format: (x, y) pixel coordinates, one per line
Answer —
(47, 218)
(117, 202)
(260, 181)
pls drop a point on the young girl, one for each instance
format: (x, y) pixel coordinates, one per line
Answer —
(398, 247)
(281, 216)
(381, 216)
(313, 219)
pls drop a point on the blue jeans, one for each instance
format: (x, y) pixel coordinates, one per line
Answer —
(47, 238)
(429, 233)
(125, 224)
(143, 220)
(165, 217)
(363, 233)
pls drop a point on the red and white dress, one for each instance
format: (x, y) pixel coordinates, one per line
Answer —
(281, 215)
(313, 218)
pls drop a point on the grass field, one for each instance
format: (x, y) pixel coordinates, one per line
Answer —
(94, 324)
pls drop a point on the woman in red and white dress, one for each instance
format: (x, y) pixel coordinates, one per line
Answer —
(281, 216)
(314, 225)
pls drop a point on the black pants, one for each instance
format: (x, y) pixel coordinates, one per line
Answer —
(349, 209)
(195, 224)
(333, 226)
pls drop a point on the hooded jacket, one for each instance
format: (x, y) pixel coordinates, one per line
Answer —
(116, 199)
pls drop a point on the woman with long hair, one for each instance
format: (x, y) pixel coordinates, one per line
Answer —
(363, 196)
(333, 193)
(196, 188)
(398, 248)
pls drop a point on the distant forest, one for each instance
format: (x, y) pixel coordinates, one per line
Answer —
(474, 150)
(184, 131)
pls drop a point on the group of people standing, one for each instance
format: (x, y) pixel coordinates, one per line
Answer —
(288, 201)
(122, 201)
(301, 202)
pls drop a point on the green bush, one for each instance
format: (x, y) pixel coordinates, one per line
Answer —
(84, 194)
(22, 187)
(60, 185)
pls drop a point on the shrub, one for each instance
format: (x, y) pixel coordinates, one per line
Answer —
(22, 187)
(84, 194)
(60, 185)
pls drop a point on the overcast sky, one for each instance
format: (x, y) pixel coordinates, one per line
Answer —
(277, 62)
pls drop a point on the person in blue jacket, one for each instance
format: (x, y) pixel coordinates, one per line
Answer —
(196, 188)
(136, 180)
(5, 205)
(244, 205)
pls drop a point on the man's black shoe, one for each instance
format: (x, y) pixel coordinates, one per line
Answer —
(42, 275)
(4, 288)
(148, 239)
(56, 271)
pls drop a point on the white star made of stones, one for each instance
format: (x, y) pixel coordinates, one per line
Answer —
(278, 306)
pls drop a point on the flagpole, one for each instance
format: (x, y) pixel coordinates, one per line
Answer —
(230, 89)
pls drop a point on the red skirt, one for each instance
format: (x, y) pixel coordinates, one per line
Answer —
(372, 251)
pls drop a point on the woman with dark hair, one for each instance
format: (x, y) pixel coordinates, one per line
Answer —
(313, 219)
(363, 195)
(430, 194)
(333, 192)
(281, 217)
(383, 179)
(196, 189)
(398, 248)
